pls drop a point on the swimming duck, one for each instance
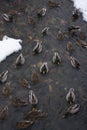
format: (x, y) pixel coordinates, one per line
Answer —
(75, 14)
(3, 76)
(56, 58)
(60, 35)
(32, 98)
(38, 48)
(74, 62)
(34, 77)
(19, 102)
(74, 109)
(44, 31)
(20, 60)
(44, 68)
(42, 12)
(8, 18)
(23, 124)
(4, 113)
(53, 4)
(70, 97)
(73, 30)
(35, 115)
(6, 90)
(24, 83)
(69, 47)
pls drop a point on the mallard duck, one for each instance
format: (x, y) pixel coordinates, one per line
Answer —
(32, 98)
(44, 68)
(53, 4)
(69, 47)
(75, 14)
(56, 58)
(73, 30)
(3, 76)
(23, 124)
(8, 18)
(34, 77)
(38, 48)
(42, 12)
(24, 83)
(74, 62)
(4, 113)
(19, 102)
(20, 60)
(70, 97)
(44, 31)
(82, 43)
(60, 35)
(6, 90)
(35, 115)
(74, 109)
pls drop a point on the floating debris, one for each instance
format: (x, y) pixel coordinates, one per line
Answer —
(70, 97)
(19, 102)
(24, 83)
(32, 98)
(42, 12)
(3, 76)
(69, 47)
(53, 4)
(75, 14)
(35, 115)
(44, 68)
(74, 62)
(56, 58)
(7, 18)
(60, 35)
(4, 113)
(34, 77)
(74, 109)
(6, 90)
(20, 60)
(38, 48)
(23, 124)
(45, 31)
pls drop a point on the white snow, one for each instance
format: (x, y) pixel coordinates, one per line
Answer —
(8, 46)
(82, 6)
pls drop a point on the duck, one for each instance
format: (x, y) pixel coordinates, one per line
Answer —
(7, 18)
(38, 48)
(70, 97)
(4, 113)
(3, 76)
(56, 58)
(53, 4)
(32, 98)
(60, 35)
(34, 77)
(20, 60)
(44, 68)
(75, 14)
(6, 90)
(69, 47)
(24, 124)
(74, 109)
(44, 31)
(24, 83)
(74, 62)
(19, 102)
(42, 12)
(35, 115)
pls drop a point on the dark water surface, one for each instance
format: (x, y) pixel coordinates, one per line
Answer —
(59, 79)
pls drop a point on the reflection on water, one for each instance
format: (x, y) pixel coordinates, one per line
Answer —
(52, 88)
